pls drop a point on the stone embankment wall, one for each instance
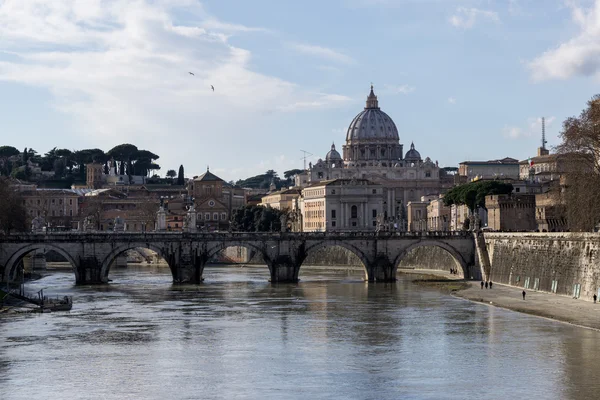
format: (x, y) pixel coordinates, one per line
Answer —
(549, 262)
(430, 257)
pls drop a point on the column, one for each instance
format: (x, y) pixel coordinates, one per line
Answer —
(342, 218)
(393, 215)
(364, 214)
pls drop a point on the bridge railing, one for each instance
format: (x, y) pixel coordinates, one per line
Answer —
(145, 236)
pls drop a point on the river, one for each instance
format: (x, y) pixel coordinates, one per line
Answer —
(332, 336)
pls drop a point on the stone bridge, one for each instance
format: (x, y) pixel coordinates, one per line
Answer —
(92, 253)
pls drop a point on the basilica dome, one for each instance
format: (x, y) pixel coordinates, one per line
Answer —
(372, 124)
(333, 155)
(412, 155)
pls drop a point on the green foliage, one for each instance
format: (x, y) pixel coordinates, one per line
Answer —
(473, 194)
(8, 151)
(257, 219)
(13, 216)
(180, 176)
(171, 174)
(292, 172)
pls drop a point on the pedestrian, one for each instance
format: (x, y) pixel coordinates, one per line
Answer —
(595, 298)
(486, 285)
(490, 284)
(524, 293)
(482, 284)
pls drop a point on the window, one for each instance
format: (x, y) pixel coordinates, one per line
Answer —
(320, 175)
(176, 225)
(223, 216)
(215, 216)
(354, 223)
(333, 214)
(332, 223)
(332, 191)
(207, 216)
(354, 212)
(70, 202)
(374, 213)
(374, 223)
(60, 201)
(374, 191)
(53, 201)
(38, 202)
(517, 190)
(427, 174)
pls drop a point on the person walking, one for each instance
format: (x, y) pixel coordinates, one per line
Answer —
(524, 293)
(490, 284)
(595, 298)
(486, 285)
(482, 284)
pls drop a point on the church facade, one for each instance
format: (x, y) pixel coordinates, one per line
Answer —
(373, 151)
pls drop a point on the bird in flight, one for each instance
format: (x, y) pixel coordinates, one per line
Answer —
(212, 87)
(191, 73)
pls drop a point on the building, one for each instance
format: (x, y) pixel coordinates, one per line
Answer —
(503, 168)
(215, 200)
(417, 216)
(372, 151)
(341, 205)
(550, 211)
(511, 213)
(284, 199)
(57, 208)
(438, 215)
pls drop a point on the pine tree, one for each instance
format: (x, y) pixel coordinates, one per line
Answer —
(180, 178)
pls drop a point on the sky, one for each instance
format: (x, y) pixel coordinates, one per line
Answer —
(462, 79)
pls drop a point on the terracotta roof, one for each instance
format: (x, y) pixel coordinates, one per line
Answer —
(208, 177)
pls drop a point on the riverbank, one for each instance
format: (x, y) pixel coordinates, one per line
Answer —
(577, 312)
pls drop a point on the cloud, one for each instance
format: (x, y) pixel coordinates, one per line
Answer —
(451, 100)
(466, 18)
(118, 71)
(579, 56)
(533, 127)
(323, 52)
(402, 89)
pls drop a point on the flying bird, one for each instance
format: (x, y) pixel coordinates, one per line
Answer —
(191, 73)
(212, 87)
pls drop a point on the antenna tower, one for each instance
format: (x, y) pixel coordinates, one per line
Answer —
(306, 154)
(544, 133)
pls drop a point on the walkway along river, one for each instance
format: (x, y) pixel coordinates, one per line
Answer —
(330, 336)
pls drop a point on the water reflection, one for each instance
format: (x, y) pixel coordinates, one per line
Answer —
(330, 336)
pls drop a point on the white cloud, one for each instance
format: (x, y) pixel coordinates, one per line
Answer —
(451, 100)
(512, 132)
(401, 89)
(323, 52)
(579, 56)
(118, 70)
(532, 128)
(466, 18)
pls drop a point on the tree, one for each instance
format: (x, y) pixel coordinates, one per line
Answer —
(257, 219)
(171, 174)
(5, 153)
(13, 215)
(580, 151)
(473, 194)
(8, 151)
(180, 177)
(291, 173)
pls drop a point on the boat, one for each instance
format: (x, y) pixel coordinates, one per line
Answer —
(45, 303)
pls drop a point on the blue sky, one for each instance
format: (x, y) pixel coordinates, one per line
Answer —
(463, 79)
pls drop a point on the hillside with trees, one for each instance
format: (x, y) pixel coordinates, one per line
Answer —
(61, 167)
(473, 194)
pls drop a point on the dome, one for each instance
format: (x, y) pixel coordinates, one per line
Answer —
(333, 155)
(412, 155)
(372, 124)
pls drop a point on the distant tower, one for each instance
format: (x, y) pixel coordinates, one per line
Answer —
(542, 151)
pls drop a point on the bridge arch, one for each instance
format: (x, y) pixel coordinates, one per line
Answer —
(117, 251)
(214, 249)
(13, 260)
(311, 248)
(455, 254)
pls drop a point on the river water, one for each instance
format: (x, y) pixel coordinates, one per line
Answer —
(332, 336)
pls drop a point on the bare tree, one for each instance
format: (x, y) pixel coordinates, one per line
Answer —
(580, 150)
